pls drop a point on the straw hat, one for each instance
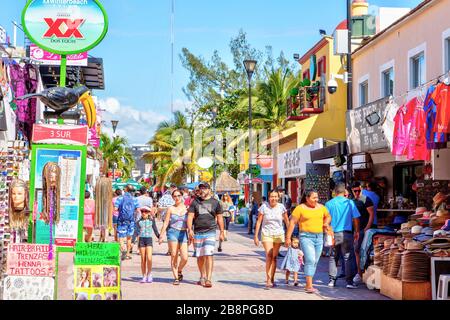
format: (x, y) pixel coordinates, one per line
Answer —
(419, 213)
(413, 246)
(416, 230)
(439, 198)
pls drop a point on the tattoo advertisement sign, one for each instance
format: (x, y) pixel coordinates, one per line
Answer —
(30, 273)
(71, 161)
(30, 260)
(28, 288)
(97, 271)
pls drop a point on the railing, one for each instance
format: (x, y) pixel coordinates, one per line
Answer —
(306, 102)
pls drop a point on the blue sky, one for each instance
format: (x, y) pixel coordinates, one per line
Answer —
(137, 56)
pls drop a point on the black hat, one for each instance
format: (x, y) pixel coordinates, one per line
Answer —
(205, 185)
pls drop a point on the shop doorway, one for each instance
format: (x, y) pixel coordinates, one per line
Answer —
(405, 174)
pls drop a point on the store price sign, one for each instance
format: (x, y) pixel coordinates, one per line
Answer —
(65, 26)
(60, 134)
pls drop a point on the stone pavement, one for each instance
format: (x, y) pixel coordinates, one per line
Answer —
(239, 274)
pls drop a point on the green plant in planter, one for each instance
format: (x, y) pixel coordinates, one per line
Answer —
(306, 82)
(293, 92)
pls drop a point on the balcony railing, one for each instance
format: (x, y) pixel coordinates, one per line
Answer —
(305, 102)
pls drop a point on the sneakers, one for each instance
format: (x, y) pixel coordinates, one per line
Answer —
(352, 286)
(332, 283)
(149, 278)
(357, 278)
(144, 279)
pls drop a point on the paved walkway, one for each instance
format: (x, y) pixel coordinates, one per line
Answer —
(239, 274)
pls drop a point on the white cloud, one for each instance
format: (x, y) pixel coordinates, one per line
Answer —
(134, 124)
(182, 105)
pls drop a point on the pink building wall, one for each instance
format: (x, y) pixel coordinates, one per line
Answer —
(424, 28)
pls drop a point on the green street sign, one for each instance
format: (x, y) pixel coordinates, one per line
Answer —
(65, 26)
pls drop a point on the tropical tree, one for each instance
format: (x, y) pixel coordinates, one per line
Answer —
(117, 151)
(172, 162)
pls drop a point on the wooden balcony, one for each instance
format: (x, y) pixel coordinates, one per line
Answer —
(308, 102)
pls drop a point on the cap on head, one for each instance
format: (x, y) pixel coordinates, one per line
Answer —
(204, 185)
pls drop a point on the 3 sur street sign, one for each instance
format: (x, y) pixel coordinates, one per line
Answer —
(65, 26)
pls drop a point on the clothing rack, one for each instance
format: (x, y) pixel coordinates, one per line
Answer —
(442, 78)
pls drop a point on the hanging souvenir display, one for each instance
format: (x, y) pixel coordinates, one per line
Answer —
(103, 203)
(18, 210)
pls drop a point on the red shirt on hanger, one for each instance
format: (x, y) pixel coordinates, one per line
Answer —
(441, 97)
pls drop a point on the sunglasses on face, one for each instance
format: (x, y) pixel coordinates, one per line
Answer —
(356, 190)
(177, 196)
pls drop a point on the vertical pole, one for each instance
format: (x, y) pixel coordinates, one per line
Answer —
(349, 57)
(62, 78)
(63, 71)
(250, 187)
(350, 81)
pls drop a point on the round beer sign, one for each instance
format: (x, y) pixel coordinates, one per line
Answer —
(65, 26)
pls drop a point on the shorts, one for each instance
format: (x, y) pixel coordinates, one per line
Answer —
(175, 235)
(88, 220)
(204, 243)
(145, 242)
(115, 219)
(273, 239)
(125, 229)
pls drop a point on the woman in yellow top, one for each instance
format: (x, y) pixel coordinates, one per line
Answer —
(313, 220)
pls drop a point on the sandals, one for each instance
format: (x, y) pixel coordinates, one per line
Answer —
(201, 282)
(311, 290)
(176, 282)
(208, 284)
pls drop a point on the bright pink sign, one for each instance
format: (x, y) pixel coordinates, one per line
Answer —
(48, 58)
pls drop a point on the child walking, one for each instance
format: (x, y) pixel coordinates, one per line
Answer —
(293, 261)
(145, 225)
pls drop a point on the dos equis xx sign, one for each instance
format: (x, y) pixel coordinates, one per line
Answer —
(65, 26)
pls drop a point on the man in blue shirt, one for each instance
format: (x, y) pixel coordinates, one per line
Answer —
(370, 192)
(126, 205)
(345, 224)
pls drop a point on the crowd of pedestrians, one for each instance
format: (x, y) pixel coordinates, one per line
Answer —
(191, 218)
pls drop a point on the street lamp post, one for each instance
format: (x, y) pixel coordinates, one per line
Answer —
(114, 124)
(214, 114)
(250, 68)
(349, 79)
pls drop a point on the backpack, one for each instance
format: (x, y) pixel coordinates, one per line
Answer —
(126, 209)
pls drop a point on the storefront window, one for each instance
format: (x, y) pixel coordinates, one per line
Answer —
(404, 177)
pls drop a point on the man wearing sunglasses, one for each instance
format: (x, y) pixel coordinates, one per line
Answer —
(204, 214)
(366, 210)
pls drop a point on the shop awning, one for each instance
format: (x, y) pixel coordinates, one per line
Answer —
(338, 149)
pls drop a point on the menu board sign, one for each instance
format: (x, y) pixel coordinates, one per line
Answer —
(318, 179)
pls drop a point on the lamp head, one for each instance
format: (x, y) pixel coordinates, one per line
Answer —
(250, 66)
(114, 124)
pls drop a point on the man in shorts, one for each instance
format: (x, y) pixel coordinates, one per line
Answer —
(204, 214)
(126, 205)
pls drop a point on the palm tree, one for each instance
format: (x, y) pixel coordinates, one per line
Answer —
(170, 162)
(269, 99)
(116, 151)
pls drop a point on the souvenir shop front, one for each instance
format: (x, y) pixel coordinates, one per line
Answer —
(404, 149)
